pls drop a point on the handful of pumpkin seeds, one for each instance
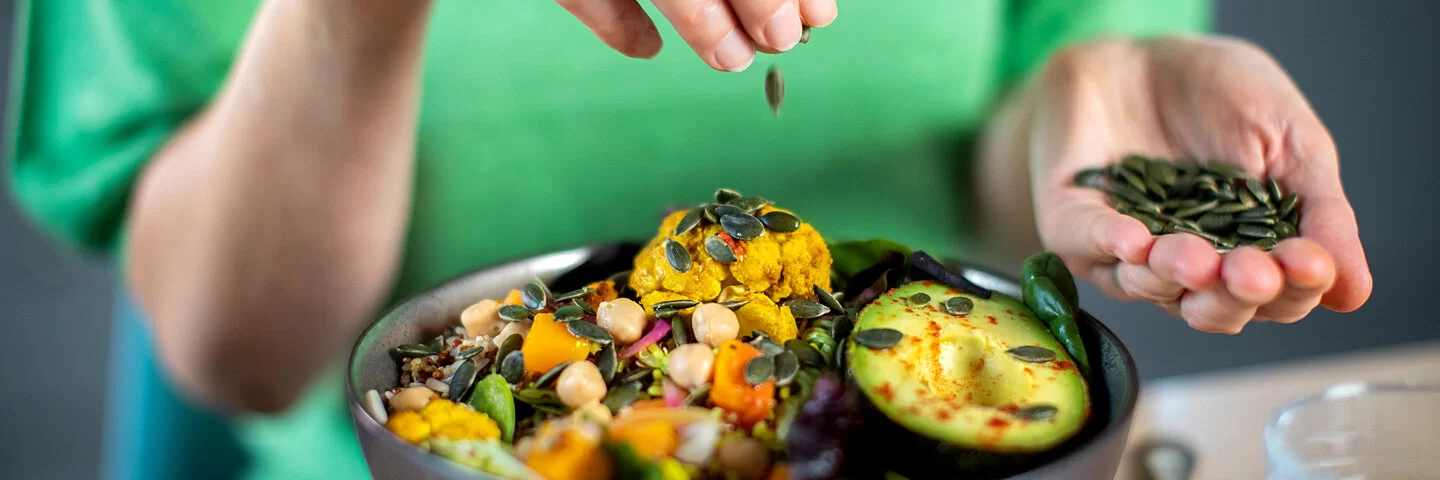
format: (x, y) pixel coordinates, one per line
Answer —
(1215, 200)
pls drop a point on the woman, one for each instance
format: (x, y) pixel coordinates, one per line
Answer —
(267, 190)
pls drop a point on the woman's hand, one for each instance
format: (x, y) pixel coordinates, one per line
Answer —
(725, 33)
(1202, 98)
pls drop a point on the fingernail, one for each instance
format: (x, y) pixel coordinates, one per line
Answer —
(783, 31)
(734, 53)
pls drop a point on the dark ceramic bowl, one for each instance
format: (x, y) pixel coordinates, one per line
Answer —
(1093, 454)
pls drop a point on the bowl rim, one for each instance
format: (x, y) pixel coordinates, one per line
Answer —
(981, 275)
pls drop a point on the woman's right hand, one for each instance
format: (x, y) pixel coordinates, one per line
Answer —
(725, 33)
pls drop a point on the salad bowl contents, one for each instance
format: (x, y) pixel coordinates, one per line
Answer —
(739, 344)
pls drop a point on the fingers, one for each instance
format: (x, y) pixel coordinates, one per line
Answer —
(1330, 222)
(1080, 228)
(1309, 273)
(817, 13)
(621, 24)
(774, 25)
(1186, 261)
(1250, 278)
(710, 28)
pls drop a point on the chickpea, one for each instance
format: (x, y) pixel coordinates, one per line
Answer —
(714, 324)
(593, 411)
(579, 384)
(623, 318)
(482, 318)
(512, 328)
(413, 398)
(745, 456)
(691, 365)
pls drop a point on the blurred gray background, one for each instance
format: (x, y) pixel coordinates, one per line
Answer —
(1371, 69)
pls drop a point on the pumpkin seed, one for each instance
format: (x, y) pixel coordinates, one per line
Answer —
(1266, 243)
(1162, 172)
(1259, 189)
(574, 294)
(1156, 189)
(1258, 212)
(1089, 178)
(534, 296)
(511, 344)
(462, 379)
(774, 89)
(1032, 354)
(636, 376)
(436, 344)
(1255, 231)
(585, 306)
(1287, 206)
(723, 195)
(1227, 192)
(677, 256)
(1215, 221)
(841, 327)
(805, 309)
(546, 377)
(722, 210)
(666, 313)
(750, 204)
(1276, 194)
(568, 313)
(709, 212)
(1292, 218)
(606, 362)
(766, 345)
(1212, 238)
(1037, 412)
(735, 305)
(589, 331)
(780, 222)
(1151, 208)
(828, 300)
(1137, 163)
(413, 350)
(698, 395)
(515, 313)
(1230, 208)
(1133, 197)
(680, 331)
(919, 299)
(689, 221)
(1284, 230)
(469, 352)
(1133, 179)
(622, 278)
(742, 227)
(878, 338)
(959, 306)
(719, 250)
(1156, 227)
(538, 396)
(676, 304)
(1221, 168)
(513, 368)
(1184, 186)
(758, 370)
(1198, 209)
(804, 352)
(1227, 243)
(786, 366)
(621, 396)
(1247, 198)
(1256, 220)
(805, 34)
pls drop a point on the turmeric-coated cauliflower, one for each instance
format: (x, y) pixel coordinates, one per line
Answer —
(768, 270)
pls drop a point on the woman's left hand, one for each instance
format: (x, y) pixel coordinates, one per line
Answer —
(1202, 98)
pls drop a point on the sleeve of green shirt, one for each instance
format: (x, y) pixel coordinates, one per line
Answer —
(1035, 29)
(98, 87)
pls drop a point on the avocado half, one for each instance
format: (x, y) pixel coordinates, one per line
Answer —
(950, 397)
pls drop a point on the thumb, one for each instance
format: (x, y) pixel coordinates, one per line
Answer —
(1083, 229)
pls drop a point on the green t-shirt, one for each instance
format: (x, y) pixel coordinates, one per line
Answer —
(533, 136)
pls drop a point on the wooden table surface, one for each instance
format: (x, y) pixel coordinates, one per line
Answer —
(1222, 414)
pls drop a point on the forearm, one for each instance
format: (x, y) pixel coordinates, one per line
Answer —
(1005, 215)
(266, 231)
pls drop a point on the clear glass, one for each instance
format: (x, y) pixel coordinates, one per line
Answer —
(1357, 431)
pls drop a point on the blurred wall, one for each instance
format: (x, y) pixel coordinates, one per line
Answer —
(1369, 68)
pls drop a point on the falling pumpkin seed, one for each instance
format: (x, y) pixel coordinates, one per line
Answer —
(774, 89)
(723, 195)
